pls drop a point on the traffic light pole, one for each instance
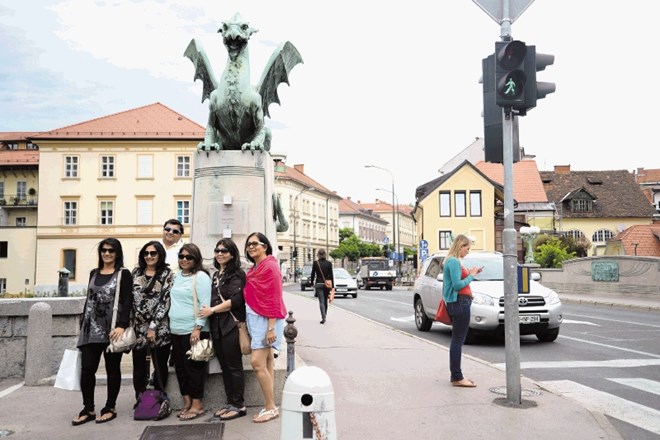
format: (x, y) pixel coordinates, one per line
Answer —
(511, 315)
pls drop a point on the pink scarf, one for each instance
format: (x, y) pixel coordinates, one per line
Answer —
(263, 289)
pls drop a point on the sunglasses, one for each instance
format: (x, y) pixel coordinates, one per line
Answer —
(186, 257)
(221, 251)
(107, 250)
(149, 253)
(255, 244)
(173, 231)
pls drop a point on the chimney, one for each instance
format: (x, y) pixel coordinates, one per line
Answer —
(300, 168)
(562, 169)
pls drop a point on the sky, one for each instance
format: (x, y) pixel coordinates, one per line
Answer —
(391, 84)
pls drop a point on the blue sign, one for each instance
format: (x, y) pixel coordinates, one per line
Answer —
(423, 244)
(423, 254)
(386, 240)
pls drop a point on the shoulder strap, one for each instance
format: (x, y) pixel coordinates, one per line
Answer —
(194, 283)
(320, 270)
(115, 308)
(222, 298)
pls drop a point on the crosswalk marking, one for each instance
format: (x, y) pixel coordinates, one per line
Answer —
(571, 321)
(650, 386)
(613, 406)
(404, 319)
(612, 363)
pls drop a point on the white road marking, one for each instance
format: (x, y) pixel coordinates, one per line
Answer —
(409, 304)
(643, 353)
(10, 390)
(570, 321)
(617, 320)
(613, 363)
(650, 386)
(404, 319)
(622, 409)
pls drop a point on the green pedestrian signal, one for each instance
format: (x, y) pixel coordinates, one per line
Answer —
(510, 75)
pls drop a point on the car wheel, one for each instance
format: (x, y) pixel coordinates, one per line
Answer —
(302, 287)
(549, 335)
(354, 295)
(422, 321)
(388, 287)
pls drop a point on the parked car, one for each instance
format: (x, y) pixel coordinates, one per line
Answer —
(306, 277)
(540, 310)
(345, 284)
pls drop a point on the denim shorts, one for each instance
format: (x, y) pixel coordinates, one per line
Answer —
(258, 326)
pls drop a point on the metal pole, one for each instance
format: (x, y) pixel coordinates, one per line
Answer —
(511, 316)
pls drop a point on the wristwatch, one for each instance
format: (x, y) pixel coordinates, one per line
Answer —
(198, 327)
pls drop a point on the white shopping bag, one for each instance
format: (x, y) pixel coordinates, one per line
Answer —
(68, 376)
(214, 366)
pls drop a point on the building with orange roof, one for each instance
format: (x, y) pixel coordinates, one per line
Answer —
(369, 226)
(649, 182)
(637, 240)
(406, 232)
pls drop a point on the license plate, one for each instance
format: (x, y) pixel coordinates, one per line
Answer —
(530, 319)
(341, 290)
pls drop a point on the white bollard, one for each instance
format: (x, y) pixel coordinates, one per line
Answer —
(308, 406)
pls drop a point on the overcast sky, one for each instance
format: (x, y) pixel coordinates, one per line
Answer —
(393, 84)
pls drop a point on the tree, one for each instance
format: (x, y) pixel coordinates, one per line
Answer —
(551, 252)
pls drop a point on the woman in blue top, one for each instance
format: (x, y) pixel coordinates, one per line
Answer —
(186, 327)
(458, 297)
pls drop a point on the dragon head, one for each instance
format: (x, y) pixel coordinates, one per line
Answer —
(235, 35)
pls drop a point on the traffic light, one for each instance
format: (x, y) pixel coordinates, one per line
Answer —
(535, 62)
(510, 76)
(294, 254)
(492, 114)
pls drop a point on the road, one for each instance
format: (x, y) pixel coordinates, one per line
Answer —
(607, 358)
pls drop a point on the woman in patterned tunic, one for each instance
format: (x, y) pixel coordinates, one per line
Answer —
(95, 331)
(151, 302)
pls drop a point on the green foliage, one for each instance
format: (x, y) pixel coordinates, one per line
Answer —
(550, 252)
(344, 233)
(579, 247)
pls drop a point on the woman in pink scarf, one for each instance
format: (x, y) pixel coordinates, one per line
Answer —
(265, 317)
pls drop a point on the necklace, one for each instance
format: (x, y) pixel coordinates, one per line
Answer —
(186, 274)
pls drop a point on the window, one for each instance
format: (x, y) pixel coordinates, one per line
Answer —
(21, 190)
(71, 167)
(106, 212)
(581, 205)
(602, 235)
(3, 249)
(459, 201)
(12, 145)
(31, 146)
(435, 267)
(69, 257)
(445, 204)
(475, 203)
(144, 212)
(2, 190)
(183, 211)
(21, 221)
(577, 235)
(145, 167)
(3, 285)
(107, 166)
(444, 238)
(183, 166)
(70, 213)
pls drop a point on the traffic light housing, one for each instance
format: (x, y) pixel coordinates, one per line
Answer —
(510, 76)
(534, 90)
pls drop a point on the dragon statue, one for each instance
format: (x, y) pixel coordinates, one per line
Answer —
(236, 108)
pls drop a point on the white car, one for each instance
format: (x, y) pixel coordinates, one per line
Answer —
(540, 309)
(345, 284)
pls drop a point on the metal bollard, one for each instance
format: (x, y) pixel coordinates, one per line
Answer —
(290, 333)
(63, 282)
(308, 406)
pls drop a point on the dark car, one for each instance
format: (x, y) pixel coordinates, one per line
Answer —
(306, 277)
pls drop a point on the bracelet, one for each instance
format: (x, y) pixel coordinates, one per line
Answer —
(271, 329)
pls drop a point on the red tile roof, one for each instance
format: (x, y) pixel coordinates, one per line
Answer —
(647, 176)
(154, 121)
(15, 135)
(19, 157)
(304, 180)
(527, 184)
(647, 238)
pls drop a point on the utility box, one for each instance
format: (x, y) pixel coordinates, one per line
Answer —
(308, 406)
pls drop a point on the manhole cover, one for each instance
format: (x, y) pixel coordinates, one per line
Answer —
(184, 432)
(523, 392)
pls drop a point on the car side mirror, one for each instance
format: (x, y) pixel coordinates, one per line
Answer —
(536, 276)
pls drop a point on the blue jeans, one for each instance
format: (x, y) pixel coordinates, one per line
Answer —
(460, 321)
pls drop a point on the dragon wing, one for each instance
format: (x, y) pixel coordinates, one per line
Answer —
(283, 59)
(203, 70)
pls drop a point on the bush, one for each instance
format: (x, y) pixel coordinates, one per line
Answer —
(551, 252)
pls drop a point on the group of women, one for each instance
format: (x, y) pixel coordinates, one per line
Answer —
(173, 311)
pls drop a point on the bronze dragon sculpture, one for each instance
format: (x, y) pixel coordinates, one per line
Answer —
(236, 108)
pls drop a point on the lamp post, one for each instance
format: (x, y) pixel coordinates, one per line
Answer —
(294, 254)
(394, 235)
(529, 234)
(398, 222)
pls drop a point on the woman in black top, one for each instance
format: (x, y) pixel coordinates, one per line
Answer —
(151, 302)
(322, 272)
(95, 331)
(227, 307)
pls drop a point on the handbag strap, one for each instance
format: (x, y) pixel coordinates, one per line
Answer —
(222, 298)
(320, 270)
(115, 308)
(195, 312)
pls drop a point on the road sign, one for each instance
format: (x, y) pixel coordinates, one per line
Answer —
(423, 244)
(423, 254)
(386, 240)
(495, 9)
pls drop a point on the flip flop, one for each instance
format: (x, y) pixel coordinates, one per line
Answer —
(237, 412)
(104, 411)
(466, 383)
(222, 411)
(88, 417)
(192, 415)
(266, 415)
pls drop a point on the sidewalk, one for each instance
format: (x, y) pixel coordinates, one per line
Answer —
(387, 385)
(630, 301)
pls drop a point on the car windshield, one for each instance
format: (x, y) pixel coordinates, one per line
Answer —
(341, 274)
(307, 270)
(493, 267)
(378, 265)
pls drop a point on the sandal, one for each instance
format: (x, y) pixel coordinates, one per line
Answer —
(467, 383)
(183, 411)
(266, 415)
(104, 412)
(83, 417)
(190, 415)
(222, 411)
(233, 413)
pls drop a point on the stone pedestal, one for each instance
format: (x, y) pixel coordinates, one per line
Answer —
(232, 197)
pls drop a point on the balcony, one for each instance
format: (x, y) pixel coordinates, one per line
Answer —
(8, 201)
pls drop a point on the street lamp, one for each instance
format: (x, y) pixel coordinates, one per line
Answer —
(294, 254)
(394, 242)
(529, 234)
(398, 221)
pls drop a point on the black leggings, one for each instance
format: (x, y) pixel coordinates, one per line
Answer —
(141, 367)
(190, 374)
(90, 360)
(228, 352)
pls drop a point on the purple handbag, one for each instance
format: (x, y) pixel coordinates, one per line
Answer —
(152, 405)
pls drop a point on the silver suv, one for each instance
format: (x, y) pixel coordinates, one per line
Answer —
(539, 310)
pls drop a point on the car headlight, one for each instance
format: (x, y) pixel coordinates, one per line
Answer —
(552, 298)
(482, 300)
